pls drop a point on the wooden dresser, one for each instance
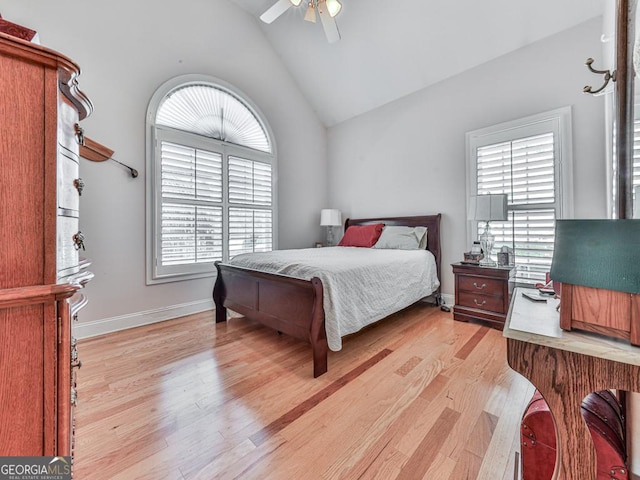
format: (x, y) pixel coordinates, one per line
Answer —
(482, 293)
(41, 270)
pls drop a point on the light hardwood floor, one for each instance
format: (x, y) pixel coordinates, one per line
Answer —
(417, 396)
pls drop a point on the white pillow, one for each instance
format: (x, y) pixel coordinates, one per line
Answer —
(403, 238)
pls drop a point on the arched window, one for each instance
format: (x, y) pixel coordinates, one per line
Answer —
(210, 181)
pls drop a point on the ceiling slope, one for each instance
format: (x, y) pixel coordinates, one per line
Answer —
(390, 49)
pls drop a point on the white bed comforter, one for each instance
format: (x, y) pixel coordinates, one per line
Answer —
(361, 285)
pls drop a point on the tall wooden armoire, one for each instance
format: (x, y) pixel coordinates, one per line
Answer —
(41, 267)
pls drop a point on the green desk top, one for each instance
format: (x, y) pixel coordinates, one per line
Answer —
(598, 253)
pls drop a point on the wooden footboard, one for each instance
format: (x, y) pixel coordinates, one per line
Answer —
(286, 304)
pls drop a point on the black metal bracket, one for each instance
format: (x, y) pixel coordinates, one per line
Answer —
(607, 77)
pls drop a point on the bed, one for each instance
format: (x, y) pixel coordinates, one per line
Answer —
(294, 303)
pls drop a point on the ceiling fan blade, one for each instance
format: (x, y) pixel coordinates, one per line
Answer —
(275, 11)
(328, 24)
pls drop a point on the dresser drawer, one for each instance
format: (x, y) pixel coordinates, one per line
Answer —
(67, 256)
(69, 187)
(67, 121)
(483, 302)
(487, 286)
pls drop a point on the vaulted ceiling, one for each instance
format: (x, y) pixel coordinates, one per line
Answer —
(393, 48)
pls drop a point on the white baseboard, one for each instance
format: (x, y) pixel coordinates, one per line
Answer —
(448, 300)
(131, 320)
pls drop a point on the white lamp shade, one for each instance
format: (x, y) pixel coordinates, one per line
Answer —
(485, 208)
(330, 217)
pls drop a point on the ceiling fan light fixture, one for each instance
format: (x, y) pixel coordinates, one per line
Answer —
(325, 9)
(310, 14)
(333, 7)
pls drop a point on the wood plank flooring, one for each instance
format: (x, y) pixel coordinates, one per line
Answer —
(417, 396)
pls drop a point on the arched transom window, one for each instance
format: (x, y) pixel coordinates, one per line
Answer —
(211, 178)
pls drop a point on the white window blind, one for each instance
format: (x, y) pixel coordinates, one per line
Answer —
(211, 171)
(213, 112)
(190, 174)
(249, 182)
(524, 170)
(249, 231)
(191, 220)
(636, 165)
(190, 234)
(525, 163)
(250, 217)
(636, 152)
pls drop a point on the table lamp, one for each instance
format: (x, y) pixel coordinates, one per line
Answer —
(485, 208)
(330, 218)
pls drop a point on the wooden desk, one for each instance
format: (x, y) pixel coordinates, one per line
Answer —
(565, 367)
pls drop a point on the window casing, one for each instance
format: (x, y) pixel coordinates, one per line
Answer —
(530, 161)
(209, 198)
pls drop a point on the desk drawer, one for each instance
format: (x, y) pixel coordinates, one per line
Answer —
(479, 285)
(482, 302)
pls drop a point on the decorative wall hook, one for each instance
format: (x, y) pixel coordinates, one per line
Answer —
(607, 76)
(92, 150)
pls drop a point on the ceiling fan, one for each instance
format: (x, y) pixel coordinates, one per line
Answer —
(326, 9)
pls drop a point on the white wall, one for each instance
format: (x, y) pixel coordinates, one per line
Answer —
(126, 50)
(404, 158)
(408, 157)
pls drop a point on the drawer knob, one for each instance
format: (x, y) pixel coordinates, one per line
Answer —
(79, 134)
(78, 241)
(79, 184)
(484, 302)
(479, 287)
(76, 364)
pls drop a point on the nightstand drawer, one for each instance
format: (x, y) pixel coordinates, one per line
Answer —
(483, 302)
(487, 286)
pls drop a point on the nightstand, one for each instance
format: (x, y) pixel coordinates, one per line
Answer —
(482, 293)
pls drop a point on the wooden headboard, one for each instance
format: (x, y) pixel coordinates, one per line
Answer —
(432, 222)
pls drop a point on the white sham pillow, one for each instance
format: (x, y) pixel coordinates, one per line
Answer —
(403, 238)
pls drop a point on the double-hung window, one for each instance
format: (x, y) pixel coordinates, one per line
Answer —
(210, 181)
(530, 161)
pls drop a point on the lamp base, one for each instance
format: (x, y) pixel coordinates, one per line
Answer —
(486, 242)
(330, 236)
(487, 263)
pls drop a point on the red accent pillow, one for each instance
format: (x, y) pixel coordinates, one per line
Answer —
(361, 235)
